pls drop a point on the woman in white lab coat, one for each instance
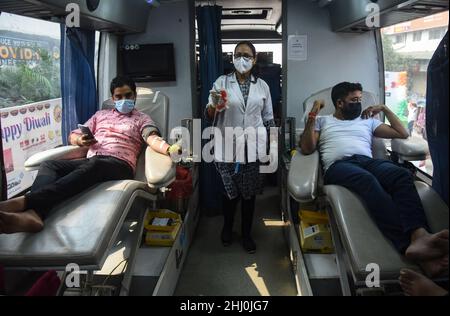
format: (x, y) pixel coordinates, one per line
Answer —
(247, 103)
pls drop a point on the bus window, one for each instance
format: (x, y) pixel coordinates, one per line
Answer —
(274, 50)
(408, 48)
(30, 93)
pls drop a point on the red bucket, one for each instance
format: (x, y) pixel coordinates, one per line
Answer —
(181, 188)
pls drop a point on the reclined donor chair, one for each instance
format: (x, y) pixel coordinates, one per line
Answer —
(358, 241)
(105, 219)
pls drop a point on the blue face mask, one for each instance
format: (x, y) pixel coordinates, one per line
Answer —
(125, 106)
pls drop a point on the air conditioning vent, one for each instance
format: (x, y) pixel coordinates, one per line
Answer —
(241, 12)
(118, 16)
(350, 15)
(254, 20)
(247, 14)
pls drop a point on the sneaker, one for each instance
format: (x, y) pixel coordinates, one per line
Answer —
(249, 245)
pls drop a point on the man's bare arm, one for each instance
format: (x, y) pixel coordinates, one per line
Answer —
(157, 143)
(309, 138)
(395, 130)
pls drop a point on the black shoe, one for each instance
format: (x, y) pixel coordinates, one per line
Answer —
(249, 245)
(227, 237)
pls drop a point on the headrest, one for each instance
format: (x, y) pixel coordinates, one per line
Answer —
(368, 99)
(263, 58)
(155, 104)
(107, 104)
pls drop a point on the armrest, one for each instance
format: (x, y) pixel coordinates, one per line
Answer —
(64, 152)
(379, 150)
(303, 176)
(409, 149)
(435, 208)
(160, 170)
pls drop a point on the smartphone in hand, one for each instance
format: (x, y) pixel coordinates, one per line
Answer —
(86, 131)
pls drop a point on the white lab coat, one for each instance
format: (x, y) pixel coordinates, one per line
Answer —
(257, 111)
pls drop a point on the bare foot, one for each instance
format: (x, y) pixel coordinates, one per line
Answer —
(27, 222)
(15, 205)
(425, 246)
(435, 267)
(415, 284)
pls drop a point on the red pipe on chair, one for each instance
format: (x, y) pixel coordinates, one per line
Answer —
(47, 285)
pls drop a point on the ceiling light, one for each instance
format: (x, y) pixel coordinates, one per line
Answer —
(153, 3)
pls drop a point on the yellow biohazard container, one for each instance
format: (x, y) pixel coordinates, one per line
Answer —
(315, 233)
(162, 227)
(162, 238)
(161, 220)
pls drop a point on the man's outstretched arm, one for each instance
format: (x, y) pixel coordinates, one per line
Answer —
(157, 143)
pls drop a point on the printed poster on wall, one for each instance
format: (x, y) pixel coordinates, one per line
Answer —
(27, 130)
(298, 47)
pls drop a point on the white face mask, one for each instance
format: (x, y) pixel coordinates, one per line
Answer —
(243, 64)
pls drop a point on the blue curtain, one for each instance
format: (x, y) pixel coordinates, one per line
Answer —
(78, 86)
(437, 117)
(210, 40)
(211, 67)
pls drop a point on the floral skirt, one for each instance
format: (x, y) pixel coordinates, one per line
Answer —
(241, 180)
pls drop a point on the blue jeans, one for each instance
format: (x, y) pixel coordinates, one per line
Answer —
(388, 191)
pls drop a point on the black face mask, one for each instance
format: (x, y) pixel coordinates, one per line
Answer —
(352, 110)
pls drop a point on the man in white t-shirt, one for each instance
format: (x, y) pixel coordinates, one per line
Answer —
(344, 141)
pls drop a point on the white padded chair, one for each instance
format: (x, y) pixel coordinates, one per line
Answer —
(357, 239)
(84, 228)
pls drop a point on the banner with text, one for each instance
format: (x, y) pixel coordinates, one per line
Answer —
(27, 130)
(15, 49)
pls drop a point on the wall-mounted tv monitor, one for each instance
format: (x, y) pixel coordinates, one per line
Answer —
(149, 62)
